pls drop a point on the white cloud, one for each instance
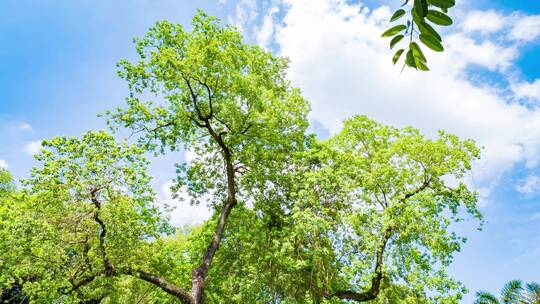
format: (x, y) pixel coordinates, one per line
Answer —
(526, 28)
(265, 32)
(246, 13)
(3, 164)
(527, 90)
(529, 185)
(33, 147)
(183, 213)
(483, 22)
(343, 67)
(26, 127)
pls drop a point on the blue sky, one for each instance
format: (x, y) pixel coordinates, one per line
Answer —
(57, 71)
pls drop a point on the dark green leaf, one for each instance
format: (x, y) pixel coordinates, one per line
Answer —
(431, 42)
(421, 7)
(417, 52)
(409, 59)
(439, 18)
(394, 30)
(425, 28)
(397, 55)
(444, 4)
(395, 40)
(398, 14)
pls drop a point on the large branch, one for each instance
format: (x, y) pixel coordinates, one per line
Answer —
(200, 273)
(109, 269)
(374, 290)
(165, 285)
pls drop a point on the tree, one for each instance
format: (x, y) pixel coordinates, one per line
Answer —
(226, 100)
(362, 216)
(421, 13)
(82, 219)
(512, 292)
(350, 219)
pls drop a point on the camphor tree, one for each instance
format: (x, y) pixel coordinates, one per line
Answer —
(362, 216)
(226, 100)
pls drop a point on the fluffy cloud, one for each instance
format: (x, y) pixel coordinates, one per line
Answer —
(515, 26)
(183, 213)
(3, 164)
(483, 22)
(525, 28)
(33, 147)
(527, 90)
(343, 67)
(529, 185)
(246, 13)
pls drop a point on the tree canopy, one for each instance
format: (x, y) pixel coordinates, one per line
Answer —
(365, 215)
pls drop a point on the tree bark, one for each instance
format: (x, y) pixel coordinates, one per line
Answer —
(374, 290)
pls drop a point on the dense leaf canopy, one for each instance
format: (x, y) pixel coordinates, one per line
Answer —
(365, 215)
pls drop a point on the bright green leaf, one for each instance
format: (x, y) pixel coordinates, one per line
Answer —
(397, 55)
(439, 18)
(395, 40)
(444, 4)
(394, 30)
(431, 42)
(398, 14)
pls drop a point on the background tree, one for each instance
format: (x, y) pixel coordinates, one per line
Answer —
(81, 219)
(512, 293)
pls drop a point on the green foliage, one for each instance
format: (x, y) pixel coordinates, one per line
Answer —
(417, 26)
(365, 215)
(54, 240)
(315, 228)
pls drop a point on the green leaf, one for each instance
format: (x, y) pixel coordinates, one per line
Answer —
(421, 7)
(398, 14)
(409, 59)
(425, 28)
(421, 65)
(395, 40)
(417, 51)
(397, 55)
(439, 18)
(418, 56)
(394, 30)
(431, 42)
(444, 4)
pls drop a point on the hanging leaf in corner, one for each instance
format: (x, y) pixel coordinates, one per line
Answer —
(395, 40)
(397, 55)
(439, 18)
(394, 30)
(421, 16)
(431, 42)
(398, 14)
